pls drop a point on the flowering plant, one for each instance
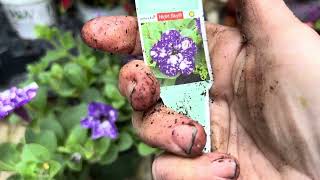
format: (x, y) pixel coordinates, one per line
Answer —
(174, 49)
(79, 120)
(101, 120)
(13, 99)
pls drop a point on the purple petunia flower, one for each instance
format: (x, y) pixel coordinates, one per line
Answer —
(14, 98)
(101, 120)
(174, 54)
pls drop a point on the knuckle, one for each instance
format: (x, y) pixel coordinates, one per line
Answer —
(139, 85)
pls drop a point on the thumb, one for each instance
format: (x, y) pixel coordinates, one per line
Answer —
(262, 18)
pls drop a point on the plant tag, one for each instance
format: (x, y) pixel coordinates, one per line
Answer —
(174, 44)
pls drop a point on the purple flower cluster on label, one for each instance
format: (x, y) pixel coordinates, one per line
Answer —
(174, 54)
(101, 120)
(15, 98)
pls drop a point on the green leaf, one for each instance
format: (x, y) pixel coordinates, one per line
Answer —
(193, 34)
(119, 103)
(75, 75)
(75, 148)
(148, 45)
(154, 31)
(49, 140)
(151, 33)
(46, 138)
(109, 77)
(63, 88)
(76, 166)
(201, 66)
(78, 135)
(33, 69)
(181, 24)
(35, 153)
(45, 32)
(40, 101)
(15, 177)
(9, 157)
(56, 71)
(125, 141)
(14, 119)
(43, 77)
(53, 56)
(50, 123)
(145, 150)
(54, 168)
(110, 156)
(317, 25)
(38, 170)
(84, 50)
(30, 136)
(91, 95)
(101, 146)
(28, 169)
(87, 63)
(125, 115)
(114, 97)
(101, 66)
(168, 82)
(115, 69)
(66, 40)
(89, 149)
(72, 116)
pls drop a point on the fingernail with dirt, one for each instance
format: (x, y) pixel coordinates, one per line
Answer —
(184, 136)
(224, 168)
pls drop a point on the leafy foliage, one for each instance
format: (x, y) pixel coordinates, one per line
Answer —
(70, 76)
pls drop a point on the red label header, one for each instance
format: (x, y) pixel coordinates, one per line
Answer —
(170, 16)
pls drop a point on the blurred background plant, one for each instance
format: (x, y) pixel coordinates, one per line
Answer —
(70, 76)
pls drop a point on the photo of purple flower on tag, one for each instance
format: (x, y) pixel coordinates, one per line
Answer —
(174, 50)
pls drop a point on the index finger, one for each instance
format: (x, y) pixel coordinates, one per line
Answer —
(115, 34)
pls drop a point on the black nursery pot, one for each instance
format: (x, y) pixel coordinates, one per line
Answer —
(14, 59)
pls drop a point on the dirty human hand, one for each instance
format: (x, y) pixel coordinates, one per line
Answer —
(266, 98)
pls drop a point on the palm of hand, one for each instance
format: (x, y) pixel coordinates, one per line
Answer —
(263, 111)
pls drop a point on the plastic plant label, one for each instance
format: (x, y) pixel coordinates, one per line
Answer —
(174, 44)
